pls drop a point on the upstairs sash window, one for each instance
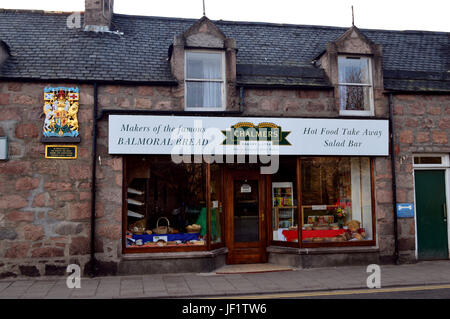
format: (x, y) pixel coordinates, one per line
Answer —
(355, 86)
(204, 81)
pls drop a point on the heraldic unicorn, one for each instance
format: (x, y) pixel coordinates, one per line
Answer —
(61, 108)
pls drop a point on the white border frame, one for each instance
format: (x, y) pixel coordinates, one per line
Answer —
(445, 166)
(370, 112)
(224, 81)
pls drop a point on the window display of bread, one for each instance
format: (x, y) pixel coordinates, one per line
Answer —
(194, 228)
(321, 227)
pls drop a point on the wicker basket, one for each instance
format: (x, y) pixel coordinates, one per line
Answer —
(161, 230)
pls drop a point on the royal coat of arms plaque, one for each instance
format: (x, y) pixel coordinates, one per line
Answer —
(61, 109)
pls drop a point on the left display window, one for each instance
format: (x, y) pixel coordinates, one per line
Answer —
(165, 203)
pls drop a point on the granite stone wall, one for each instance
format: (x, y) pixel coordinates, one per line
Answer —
(44, 203)
(422, 125)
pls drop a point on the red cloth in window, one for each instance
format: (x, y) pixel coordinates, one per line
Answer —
(291, 235)
(322, 233)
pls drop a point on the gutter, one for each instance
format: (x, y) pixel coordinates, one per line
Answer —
(105, 112)
(394, 178)
(38, 79)
(92, 270)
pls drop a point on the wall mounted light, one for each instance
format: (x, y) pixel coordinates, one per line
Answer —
(3, 148)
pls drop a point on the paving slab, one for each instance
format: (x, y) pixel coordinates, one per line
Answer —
(39, 289)
(4, 285)
(88, 289)
(198, 285)
(154, 285)
(176, 285)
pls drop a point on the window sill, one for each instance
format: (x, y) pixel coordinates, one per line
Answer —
(355, 113)
(204, 109)
(174, 255)
(324, 250)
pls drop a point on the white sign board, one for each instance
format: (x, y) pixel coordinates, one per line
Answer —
(131, 134)
(3, 148)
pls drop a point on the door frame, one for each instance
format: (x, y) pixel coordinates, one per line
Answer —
(260, 249)
(445, 166)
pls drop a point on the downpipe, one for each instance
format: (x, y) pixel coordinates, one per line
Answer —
(93, 262)
(394, 178)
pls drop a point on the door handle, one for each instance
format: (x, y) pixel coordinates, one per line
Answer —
(445, 211)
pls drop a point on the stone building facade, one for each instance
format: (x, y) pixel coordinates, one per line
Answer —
(46, 205)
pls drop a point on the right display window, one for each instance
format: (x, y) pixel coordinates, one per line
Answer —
(336, 200)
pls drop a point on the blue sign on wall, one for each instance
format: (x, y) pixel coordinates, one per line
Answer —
(405, 210)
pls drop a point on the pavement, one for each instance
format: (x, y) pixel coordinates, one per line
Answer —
(229, 285)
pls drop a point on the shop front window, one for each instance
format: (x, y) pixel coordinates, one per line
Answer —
(165, 203)
(336, 200)
(284, 202)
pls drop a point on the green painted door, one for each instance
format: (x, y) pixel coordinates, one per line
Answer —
(431, 214)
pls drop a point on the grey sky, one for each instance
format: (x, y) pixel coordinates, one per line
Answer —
(430, 15)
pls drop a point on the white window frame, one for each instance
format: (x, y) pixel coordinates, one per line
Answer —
(444, 161)
(223, 81)
(369, 112)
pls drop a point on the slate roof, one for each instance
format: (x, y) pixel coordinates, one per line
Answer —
(42, 47)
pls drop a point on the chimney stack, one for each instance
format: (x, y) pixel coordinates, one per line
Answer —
(98, 15)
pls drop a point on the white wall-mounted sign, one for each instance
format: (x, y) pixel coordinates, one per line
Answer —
(132, 134)
(3, 148)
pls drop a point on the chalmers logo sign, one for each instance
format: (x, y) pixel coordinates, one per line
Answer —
(246, 131)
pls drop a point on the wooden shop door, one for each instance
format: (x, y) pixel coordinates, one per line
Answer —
(245, 220)
(432, 237)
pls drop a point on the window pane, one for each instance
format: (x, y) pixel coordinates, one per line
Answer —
(353, 70)
(428, 160)
(204, 66)
(284, 201)
(216, 203)
(204, 94)
(336, 199)
(165, 202)
(354, 97)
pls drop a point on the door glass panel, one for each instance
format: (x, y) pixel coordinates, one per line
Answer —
(246, 212)
(216, 203)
